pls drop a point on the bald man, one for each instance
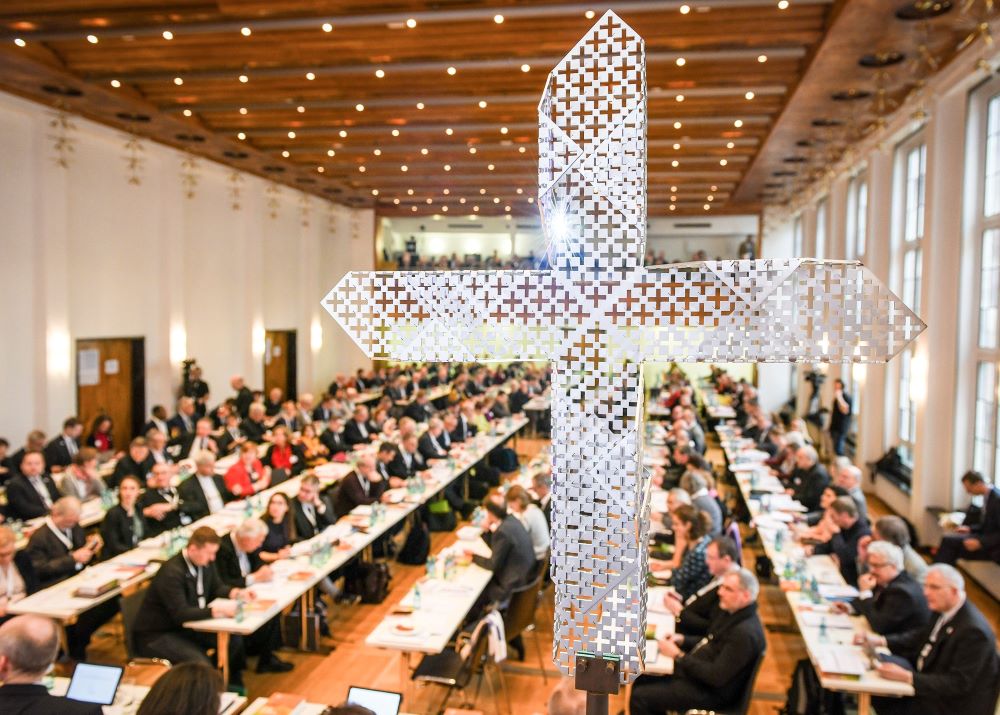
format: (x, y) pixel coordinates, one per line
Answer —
(28, 647)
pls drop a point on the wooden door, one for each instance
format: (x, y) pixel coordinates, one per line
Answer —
(279, 362)
(111, 379)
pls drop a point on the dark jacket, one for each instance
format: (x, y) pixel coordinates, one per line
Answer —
(227, 563)
(127, 466)
(512, 561)
(808, 485)
(155, 527)
(985, 524)
(57, 452)
(119, 531)
(195, 503)
(352, 493)
(32, 699)
(50, 558)
(898, 607)
(172, 597)
(465, 430)
(699, 610)
(352, 433)
(303, 527)
(418, 412)
(844, 545)
(426, 446)
(334, 441)
(725, 661)
(961, 673)
(23, 502)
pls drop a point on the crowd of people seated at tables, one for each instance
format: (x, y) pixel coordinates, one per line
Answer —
(145, 498)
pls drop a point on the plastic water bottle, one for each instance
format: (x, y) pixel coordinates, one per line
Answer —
(823, 635)
(779, 541)
(239, 610)
(416, 597)
(814, 590)
(431, 566)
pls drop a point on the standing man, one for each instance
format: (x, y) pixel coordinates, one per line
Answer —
(840, 416)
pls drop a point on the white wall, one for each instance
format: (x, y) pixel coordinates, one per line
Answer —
(88, 255)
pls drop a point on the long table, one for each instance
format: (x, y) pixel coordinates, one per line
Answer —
(130, 696)
(295, 579)
(828, 637)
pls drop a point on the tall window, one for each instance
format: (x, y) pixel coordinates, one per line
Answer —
(797, 237)
(857, 217)
(910, 179)
(821, 220)
(985, 125)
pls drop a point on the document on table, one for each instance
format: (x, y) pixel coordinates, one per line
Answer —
(832, 620)
(840, 660)
(654, 599)
(837, 592)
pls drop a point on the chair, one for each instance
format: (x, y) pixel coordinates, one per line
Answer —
(131, 605)
(741, 706)
(451, 670)
(520, 617)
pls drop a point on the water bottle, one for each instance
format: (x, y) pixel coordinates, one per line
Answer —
(239, 609)
(814, 590)
(431, 565)
(416, 597)
(823, 635)
(779, 540)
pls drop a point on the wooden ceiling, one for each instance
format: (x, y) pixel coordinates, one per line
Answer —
(344, 99)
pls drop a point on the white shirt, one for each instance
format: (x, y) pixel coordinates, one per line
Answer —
(42, 490)
(212, 495)
(12, 584)
(243, 559)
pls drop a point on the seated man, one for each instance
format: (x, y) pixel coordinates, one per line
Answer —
(60, 451)
(408, 462)
(254, 427)
(359, 430)
(435, 442)
(181, 591)
(28, 647)
(31, 493)
(161, 503)
(979, 537)
(419, 410)
(204, 492)
(364, 485)
(541, 487)
(890, 599)
(844, 544)
(383, 460)
(17, 575)
(695, 613)
(849, 477)
(158, 450)
(80, 479)
(183, 422)
(893, 529)
(333, 437)
(138, 462)
(240, 567)
(58, 550)
(809, 478)
(200, 440)
(512, 560)
(717, 670)
(951, 662)
(309, 509)
(232, 436)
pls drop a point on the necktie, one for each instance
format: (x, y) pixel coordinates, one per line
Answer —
(310, 513)
(204, 443)
(71, 447)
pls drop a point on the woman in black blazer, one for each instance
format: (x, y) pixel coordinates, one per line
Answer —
(124, 525)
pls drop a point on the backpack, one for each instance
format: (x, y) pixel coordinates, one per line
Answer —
(504, 459)
(417, 546)
(371, 581)
(440, 516)
(807, 697)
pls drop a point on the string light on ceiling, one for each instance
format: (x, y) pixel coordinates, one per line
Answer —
(92, 39)
(782, 4)
(420, 105)
(482, 104)
(676, 146)
(589, 14)
(300, 109)
(246, 31)
(380, 73)
(343, 134)
(504, 130)
(244, 79)
(521, 149)
(395, 132)
(677, 125)
(491, 167)
(452, 71)
(447, 167)
(749, 95)
(679, 97)
(178, 81)
(449, 131)
(115, 83)
(498, 19)
(411, 23)
(472, 150)
(404, 168)
(730, 145)
(362, 169)
(285, 153)
(377, 152)
(310, 76)
(374, 192)
(241, 136)
(331, 152)
(723, 162)
(243, 110)
(291, 135)
(409, 192)
(187, 112)
(526, 67)
(738, 123)
(680, 61)
(675, 163)
(327, 27)
(424, 151)
(685, 9)
(360, 107)
(762, 58)
(168, 35)
(19, 42)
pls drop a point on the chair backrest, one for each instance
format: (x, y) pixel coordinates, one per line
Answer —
(131, 605)
(742, 706)
(477, 654)
(733, 532)
(521, 612)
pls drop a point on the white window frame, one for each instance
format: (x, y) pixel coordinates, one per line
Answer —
(798, 236)
(822, 233)
(857, 217)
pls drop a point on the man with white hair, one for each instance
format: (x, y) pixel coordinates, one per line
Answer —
(239, 566)
(848, 477)
(809, 478)
(715, 673)
(951, 662)
(890, 598)
(204, 492)
(28, 647)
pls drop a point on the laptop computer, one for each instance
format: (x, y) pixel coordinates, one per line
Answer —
(92, 683)
(380, 702)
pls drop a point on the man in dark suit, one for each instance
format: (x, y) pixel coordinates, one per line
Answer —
(408, 460)
(384, 458)
(138, 463)
(28, 647)
(324, 412)
(58, 550)
(951, 662)
(844, 544)
(435, 442)
(520, 397)
(359, 430)
(157, 420)
(364, 485)
(35, 442)
(715, 672)
(397, 390)
(890, 599)
(254, 426)
(333, 437)
(809, 478)
(309, 510)
(513, 558)
(232, 437)
(200, 440)
(696, 613)
(240, 567)
(31, 493)
(419, 410)
(463, 430)
(161, 503)
(60, 451)
(183, 422)
(181, 591)
(541, 486)
(243, 398)
(204, 492)
(979, 537)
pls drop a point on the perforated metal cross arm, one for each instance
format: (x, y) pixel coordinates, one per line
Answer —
(598, 314)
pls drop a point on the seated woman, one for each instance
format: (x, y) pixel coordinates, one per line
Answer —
(100, 434)
(284, 455)
(314, 451)
(248, 475)
(124, 526)
(281, 532)
(691, 527)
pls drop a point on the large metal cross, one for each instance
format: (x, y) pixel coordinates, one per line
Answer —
(598, 314)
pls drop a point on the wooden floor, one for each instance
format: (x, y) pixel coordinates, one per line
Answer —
(326, 678)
